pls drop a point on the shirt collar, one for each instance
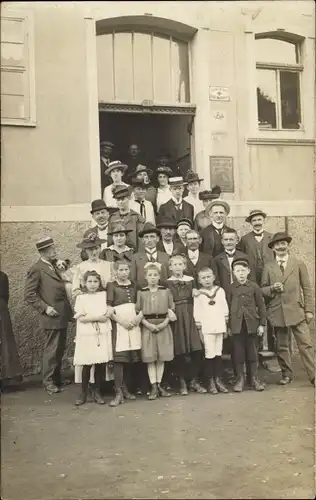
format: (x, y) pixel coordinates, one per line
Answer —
(193, 252)
(177, 202)
(283, 259)
(241, 284)
(152, 251)
(218, 226)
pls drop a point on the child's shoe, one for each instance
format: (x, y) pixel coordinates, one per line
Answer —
(239, 386)
(119, 399)
(212, 389)
(153, 393)
(162, 392)
(82, 398)
(127, 394)
(220, 386)
(196, 387)
(257, 385)
(98, 398)
(183, 387)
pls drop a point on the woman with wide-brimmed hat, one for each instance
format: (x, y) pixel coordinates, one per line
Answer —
(115, 170)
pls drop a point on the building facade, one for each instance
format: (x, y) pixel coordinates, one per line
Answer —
(231, 82)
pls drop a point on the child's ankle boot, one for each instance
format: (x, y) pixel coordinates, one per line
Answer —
(154, 392)
(118, 399)
(183, 387)
(239, 386)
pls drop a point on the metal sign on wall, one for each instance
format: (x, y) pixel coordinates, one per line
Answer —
(222, 172)
(219, 94)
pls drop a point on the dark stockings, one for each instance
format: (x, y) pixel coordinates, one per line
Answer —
(98, 376)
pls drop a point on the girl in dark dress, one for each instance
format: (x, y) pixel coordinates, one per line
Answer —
(119, 250)
(186, 338)
(11, 370)
(126, 334)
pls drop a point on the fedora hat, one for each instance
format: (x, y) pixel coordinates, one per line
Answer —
(92, 240)
(164, 170)
(100, 205)
(113, 165)
(119, 228)
(176, 181)
(121, 191)
(281, 236)
(141, 168)
(166, 223)
(192, 177)
(221, 203)
(255, 212)
(210, 194)
(45, 243)
(149, 228)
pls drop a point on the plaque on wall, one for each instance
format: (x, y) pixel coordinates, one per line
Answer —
(219, 94)
(222, 172)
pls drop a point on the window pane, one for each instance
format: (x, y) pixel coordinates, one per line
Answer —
(266, 98)
(276, 51)
(290, 99)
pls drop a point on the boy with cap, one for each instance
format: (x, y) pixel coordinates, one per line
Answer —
(183, 226)
(286, 286)
(45, 292)
(139, 203)
(247, 320)
(115, 171)
(203, 219)
(100, 213)
(176, 208)
(126, 216)
(212, 234)
(193, 185)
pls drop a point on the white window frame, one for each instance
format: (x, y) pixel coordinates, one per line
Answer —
(19, 15)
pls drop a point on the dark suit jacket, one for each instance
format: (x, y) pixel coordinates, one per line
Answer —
(247, 303)
(289, 307)
(212, 240)
(249, 246)
(44, 288)
(169, 211)
(204, 260)
(178, 247)
(223, 272)
(139, 260)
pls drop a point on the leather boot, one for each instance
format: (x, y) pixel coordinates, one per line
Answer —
(163, 393)
(256, 384)
(196, 387)
(154, 392)
(97, 397)
(82, 398)
(183, 387)
(118, 399)
(212, 389)
(220, 386)
(239, 386)
(127, 395)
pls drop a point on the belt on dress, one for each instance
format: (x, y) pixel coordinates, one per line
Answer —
(155, 316)
(183, 301)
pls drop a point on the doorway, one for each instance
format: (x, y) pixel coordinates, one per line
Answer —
(154, 133)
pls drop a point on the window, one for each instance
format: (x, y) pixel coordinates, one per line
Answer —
(279, 69)
(17, 70)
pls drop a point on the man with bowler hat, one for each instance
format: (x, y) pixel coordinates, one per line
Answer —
(45, 292)
(100, 213)
(286, 287)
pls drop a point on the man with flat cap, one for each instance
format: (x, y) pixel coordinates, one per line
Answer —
(212, 234)
(203, 218)
(100, 213)
(45, 292)
(289, 299)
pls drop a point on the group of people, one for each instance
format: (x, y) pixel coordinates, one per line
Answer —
(166, 284)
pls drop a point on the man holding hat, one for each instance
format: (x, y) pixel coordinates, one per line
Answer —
(150, 236)
(45, 292)
(100, 213)
(139, 203)
(203, 219)
(143, 173)
(286, 286)
(126, 216)
(212, 234)
(193, 185)
(256, 243)
(115, 171)
(176, 208)
(167, 243)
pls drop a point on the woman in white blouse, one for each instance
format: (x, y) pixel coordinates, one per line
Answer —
(163, 190)
(115, 170)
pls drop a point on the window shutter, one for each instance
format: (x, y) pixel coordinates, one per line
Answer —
(17, 70)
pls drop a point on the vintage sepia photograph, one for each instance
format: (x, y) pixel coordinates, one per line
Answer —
(157, 270)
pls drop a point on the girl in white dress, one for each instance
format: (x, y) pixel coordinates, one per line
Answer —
(211, 316)
(93, 334)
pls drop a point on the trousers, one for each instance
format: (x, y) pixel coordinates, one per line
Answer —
(54, 349)
(303, 339)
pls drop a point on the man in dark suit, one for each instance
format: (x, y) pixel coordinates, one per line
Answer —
(168, 242)
(202, 219)
(100, 213)
(196, 260)
(212, 234)
(176, 208)
(287, 288)
(150, 236)
(45, 292)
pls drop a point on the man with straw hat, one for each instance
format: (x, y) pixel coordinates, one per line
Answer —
(45, 292)
(176, 208)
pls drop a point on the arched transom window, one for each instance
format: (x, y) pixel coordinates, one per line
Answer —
(279, 67)
(136, 66)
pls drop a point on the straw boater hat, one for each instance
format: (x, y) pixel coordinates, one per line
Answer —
(148, 229)
(192, 177)
(221, 203)
(92, 240)
(113, 165)
(121, 192)
(119, 228)
(97, 205)
(45, 243)
(281, 236)
(185, 222)
(176, 181)
(255, 212)
(141, 168)
(166, 223)
(240, 260)
(212, 194)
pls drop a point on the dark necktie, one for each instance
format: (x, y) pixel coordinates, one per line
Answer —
(142, 208)
(151, 257)
(282, 267)
(178, 205)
